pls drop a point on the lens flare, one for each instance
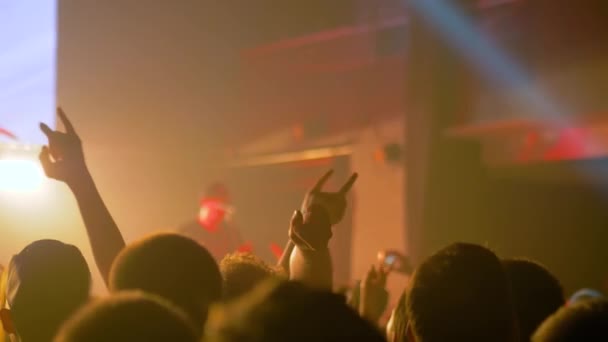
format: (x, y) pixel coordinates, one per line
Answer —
(20, 175)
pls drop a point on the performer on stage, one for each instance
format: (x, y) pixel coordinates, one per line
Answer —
(213, 228)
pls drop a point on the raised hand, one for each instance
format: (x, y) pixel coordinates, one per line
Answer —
(334, 203)
(374, 296)
(63, 158)
(395, 261)
(330, 205)
(310, 260)
(310, 231)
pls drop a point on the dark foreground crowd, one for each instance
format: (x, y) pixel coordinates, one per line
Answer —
(167, 287)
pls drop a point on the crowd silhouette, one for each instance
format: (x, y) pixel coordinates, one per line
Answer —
(168, 287)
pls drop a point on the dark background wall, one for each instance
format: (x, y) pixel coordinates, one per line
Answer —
(562, 224)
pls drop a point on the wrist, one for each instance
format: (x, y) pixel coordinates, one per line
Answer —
(314, 268)
(309, 245)
(80, 181)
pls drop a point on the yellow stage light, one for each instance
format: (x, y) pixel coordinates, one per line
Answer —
(20, 175)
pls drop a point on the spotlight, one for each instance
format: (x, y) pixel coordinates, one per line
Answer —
(20, 175)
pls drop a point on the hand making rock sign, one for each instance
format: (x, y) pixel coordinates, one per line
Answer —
(63, 158)
(310, 228)
(333, 202)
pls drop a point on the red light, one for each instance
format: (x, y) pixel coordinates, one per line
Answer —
(570, 144)
(8, 133)
(531, 142)
(276, 250)
(212, 213)
(247, 247)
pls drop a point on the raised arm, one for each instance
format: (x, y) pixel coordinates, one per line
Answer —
(310, 261)
(310, 232)
(63, 159)
(373, 294)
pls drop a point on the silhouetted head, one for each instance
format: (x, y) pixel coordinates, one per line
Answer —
(537, 294)
(242, 272)
(461, 293)
(127, 317)
(46, 283)
(584, 321)
(288, 311)
(173, 267)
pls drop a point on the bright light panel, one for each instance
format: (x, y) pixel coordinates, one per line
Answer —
(20, 175)
(28, 37)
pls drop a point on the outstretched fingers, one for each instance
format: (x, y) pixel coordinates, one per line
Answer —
(46, 130)
(322, 181)
(349, 183)
(69, 128)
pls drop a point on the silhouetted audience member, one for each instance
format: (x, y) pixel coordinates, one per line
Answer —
(396, 328)
(537, 294)
(586, 321)
(173, 267)
(127, 317)
(46, 283)
(461, 293)
(289, 311)
(242, 272)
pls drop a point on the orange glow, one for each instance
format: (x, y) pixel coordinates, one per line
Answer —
(20, 175)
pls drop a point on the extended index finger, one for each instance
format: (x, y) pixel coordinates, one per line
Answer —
(69, 128)
(349, 183)
(322, 181)
(46, 130)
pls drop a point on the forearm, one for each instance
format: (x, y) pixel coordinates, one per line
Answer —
(104, 236)
(313, 268)
(372, 304)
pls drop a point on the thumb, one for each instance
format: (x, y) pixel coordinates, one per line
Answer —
(297, 219)
(297, 222)
(45, 161)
